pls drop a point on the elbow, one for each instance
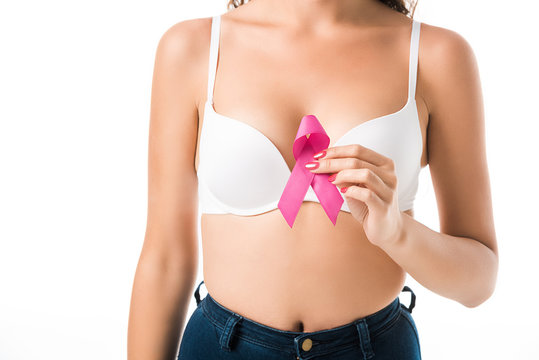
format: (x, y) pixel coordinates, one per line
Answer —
(484, 287)
(478, 300)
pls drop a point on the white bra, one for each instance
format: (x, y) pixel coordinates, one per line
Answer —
(242, 172)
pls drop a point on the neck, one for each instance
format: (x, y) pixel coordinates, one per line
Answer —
(319, 15)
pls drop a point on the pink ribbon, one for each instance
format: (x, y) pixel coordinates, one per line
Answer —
(301, 178)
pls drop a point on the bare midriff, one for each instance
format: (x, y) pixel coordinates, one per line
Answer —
(311, 277)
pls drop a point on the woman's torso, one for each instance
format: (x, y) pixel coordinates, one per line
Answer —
(316, 275)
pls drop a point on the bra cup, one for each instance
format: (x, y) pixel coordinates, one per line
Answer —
(397, 139)
(241, 168)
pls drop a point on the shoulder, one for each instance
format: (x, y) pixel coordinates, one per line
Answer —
(182, 53)
(446, 62)
(443, 46)
(185, 38)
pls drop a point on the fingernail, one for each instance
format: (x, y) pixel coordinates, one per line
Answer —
(312, 165)
(319, 155)
(343, 190)
(332, 177)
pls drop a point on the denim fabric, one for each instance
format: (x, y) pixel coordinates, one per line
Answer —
(215, 332)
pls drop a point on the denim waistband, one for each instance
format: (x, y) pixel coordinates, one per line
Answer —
(306, 345)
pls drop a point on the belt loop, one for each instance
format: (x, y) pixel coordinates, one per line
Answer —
(197, 293)
(228, 331)
(364, 339)
(412, 301)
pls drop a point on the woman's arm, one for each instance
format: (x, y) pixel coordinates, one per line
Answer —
(460, 262)
(167, 267)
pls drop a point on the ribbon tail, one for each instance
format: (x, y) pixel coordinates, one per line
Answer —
(329, 196)
(294, 192)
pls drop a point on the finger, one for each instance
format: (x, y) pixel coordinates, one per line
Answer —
(358, 151)
(368, 179)
(366, 195)
(338, 165)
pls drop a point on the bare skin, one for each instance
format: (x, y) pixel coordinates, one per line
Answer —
(346, 69)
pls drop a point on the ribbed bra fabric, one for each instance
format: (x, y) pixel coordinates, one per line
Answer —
(242, 172)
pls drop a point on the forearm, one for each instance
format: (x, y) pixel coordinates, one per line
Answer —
(160, 299)
(459, 268)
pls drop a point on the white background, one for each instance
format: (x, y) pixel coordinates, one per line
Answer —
(75, 81)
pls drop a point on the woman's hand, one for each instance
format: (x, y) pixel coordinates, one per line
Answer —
(368, 182)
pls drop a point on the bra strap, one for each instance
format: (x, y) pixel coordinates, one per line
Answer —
(414, 55)
(214, 49)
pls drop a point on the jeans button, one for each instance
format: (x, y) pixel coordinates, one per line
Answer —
(307, 344)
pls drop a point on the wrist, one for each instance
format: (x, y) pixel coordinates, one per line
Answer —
(401, 234)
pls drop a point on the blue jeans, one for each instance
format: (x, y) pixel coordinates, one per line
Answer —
(215, 332)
